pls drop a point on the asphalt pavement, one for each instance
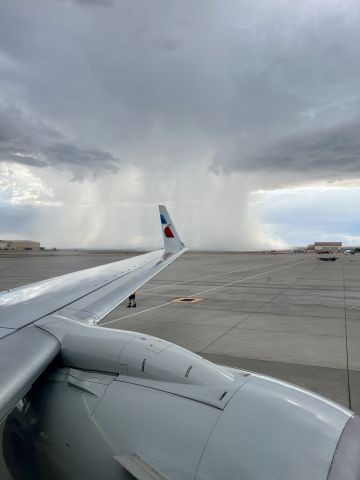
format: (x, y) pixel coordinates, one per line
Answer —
(289, 316)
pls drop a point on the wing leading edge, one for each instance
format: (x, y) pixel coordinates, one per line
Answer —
(89, 295)
(26, 350)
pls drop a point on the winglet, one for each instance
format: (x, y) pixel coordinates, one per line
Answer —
(172, 242)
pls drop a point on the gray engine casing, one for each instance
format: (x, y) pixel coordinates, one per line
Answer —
(76, 424)
(121, 398)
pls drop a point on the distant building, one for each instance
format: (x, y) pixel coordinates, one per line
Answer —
(19, 245)
(327, 246)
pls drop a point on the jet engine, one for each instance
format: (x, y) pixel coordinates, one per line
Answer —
(122, 405)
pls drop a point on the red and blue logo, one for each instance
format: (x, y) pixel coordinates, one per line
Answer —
(167, 230)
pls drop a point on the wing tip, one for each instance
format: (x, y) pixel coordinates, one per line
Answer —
(172, 241)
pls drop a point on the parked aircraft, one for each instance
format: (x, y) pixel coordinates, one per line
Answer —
(85, 402)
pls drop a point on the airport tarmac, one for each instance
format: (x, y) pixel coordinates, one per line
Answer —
(288, 316)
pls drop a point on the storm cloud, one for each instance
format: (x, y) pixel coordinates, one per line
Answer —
(141, 80)
(332, 155)
(256, 94)
(30, 142)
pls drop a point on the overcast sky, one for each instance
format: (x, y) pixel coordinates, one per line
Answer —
(243, 117)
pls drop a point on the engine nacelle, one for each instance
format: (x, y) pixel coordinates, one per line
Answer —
(120, 352)
(126, 405)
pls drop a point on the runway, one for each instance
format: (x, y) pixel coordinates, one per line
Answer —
(289, 316)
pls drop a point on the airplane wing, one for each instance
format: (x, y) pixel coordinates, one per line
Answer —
(86, 296)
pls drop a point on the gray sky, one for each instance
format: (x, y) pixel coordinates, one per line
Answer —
(236, 114)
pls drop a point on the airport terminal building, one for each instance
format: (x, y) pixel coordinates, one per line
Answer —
(19, 245)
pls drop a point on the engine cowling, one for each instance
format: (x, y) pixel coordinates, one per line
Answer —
(161, 416)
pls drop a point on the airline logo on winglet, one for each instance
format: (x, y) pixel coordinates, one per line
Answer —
(167, 229)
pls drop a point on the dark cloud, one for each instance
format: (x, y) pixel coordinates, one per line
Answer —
(28, 141)
(330, 154)
(269, 89)
(66, 153)
(173, 82)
